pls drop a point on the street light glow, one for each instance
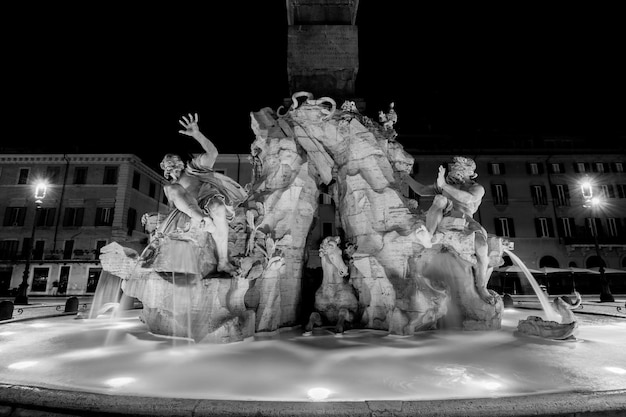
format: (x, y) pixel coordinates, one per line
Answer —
(40, 191)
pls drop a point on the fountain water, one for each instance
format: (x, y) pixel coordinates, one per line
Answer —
(243, 341)
(549, 311)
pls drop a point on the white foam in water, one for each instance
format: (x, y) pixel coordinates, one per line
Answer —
(363, 365)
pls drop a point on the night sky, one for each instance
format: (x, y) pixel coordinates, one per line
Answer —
(118, 79)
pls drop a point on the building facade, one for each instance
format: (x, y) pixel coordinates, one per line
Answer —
(533, 200)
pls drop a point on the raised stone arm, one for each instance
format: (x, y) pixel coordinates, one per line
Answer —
(190, 123)
(418, 187)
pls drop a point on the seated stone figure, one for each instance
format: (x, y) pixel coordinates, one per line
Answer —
(203, 204)
(456, 199)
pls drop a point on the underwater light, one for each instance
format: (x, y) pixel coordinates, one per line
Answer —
(318, 394)
(23, 365)
(119, 382)
(616, 370)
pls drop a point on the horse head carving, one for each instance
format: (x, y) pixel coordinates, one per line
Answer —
(330, 252)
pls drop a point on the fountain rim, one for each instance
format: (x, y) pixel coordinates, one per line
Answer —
(71, 402)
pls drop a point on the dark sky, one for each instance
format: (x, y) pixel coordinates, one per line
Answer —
(117, 79)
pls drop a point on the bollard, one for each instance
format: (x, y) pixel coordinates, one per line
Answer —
(71, 305)
(507, 300)
(6, 310)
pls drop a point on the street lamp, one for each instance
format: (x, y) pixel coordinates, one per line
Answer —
(22, 296)
(592, 203)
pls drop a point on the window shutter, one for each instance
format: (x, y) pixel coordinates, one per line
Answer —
(540, 168)
(98, 221)
(576, 168)
(51, 216)
(80, 212)
(550, 227)
(511, 228)
(489, 168)
(538, 227)
(66, 217)
(7, 216)
(498, 226)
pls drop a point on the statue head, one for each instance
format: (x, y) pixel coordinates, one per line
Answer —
(461, 170)
(172, 165)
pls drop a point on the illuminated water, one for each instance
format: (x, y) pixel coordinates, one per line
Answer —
(119, 356)
(550, 313)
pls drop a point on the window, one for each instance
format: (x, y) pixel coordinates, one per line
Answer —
(557, 168)
(110, 175)
(80, 175)
(496, 168)
(73, 217)
(606, 191)
(499, 193)
(53, 174)
(152, 189)
(14, 216)
(8, 249)
(560, 193)
(413, 195)
(599, 167)
(25, 247)
(538, 193)
(618, 167)
(22, 178)
(104, 216)
(324, 198)
(504, 227)
(92, 279)
(40, 279)
(131, 221)
(64, 277)
(68, 249)
(99, 245)
(567, 227)
(613, 227)
(621, 190)
(594, 226)
(136, 180)
(39, 248)
(45, 217)
(533, 168)
(327, 229)
(544, 228)
(582, 167)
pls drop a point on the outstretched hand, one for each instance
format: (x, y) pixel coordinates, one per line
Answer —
(441, 177)
(190, 123)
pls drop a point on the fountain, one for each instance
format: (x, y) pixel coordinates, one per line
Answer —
(408, 328)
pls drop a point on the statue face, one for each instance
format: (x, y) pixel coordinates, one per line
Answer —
(172, 166)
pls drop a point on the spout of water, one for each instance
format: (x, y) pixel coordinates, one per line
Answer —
(549, 311)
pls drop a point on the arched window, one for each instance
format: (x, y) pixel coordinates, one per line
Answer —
(548, 261)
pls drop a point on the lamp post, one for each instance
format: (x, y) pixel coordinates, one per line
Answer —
(592, 203)
(22, 293)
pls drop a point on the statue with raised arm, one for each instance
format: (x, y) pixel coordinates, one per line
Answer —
(456, 199)
(203, 204)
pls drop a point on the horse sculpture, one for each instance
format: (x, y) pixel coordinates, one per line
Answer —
(335, 300)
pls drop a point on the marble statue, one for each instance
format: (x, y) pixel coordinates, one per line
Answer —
(203, 203)
(233, 256)
(564, 329)
(336, 299)
(457, 198)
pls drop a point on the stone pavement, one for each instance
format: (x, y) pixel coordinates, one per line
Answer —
(590, 305)
(45, 307)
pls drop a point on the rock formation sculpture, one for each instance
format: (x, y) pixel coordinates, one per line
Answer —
(402, 282)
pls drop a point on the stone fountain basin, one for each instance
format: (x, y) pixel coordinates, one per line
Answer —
(117, 361)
